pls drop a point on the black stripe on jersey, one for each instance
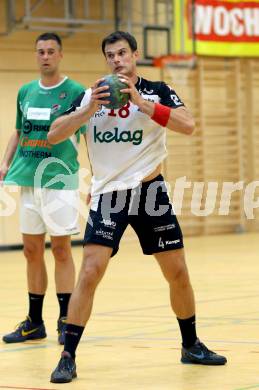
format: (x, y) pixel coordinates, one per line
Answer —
(167, 95)
(76, 103)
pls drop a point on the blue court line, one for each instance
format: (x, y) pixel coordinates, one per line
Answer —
(24, 348)
(156, 317)
(142, 337)
(137, 337)
(166, 306)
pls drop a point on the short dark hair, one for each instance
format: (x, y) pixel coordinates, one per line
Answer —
(50, 35)
(118, 36)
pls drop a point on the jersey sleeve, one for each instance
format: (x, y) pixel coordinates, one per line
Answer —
(168, 97)
(75, 104)
(79, 102)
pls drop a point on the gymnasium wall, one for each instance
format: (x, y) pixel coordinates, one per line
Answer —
(220, 161)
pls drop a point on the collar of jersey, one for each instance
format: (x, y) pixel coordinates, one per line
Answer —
(53, 86)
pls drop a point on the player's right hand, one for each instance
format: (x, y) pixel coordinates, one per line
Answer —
(100, 94)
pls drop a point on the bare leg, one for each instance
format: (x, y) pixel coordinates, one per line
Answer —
(174, 269)
(36, 269)
(64, 265)
(95, 261)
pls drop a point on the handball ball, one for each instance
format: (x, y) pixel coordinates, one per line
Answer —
(117, 99)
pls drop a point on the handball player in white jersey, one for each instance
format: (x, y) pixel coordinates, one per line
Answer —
(126, 150)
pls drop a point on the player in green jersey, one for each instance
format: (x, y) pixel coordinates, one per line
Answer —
(48, 177)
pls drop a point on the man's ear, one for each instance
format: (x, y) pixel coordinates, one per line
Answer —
(136, 54)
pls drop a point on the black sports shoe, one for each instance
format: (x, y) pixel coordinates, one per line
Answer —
(65, 370)
(61, 330)
(200, 354)
(26, 330)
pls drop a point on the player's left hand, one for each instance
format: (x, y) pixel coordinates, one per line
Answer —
(135, 97)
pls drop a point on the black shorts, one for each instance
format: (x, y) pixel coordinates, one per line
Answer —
(146, 208)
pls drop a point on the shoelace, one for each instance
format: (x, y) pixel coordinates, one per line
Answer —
(207, 350)
(20, 324)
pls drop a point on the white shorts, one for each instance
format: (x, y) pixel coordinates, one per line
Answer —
(50, 211)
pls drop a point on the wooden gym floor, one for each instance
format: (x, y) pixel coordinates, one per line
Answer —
(132, 341)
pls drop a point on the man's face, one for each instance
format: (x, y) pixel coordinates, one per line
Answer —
(120, 58)
(48, 55)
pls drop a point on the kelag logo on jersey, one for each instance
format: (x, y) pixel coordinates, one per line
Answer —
(114, 136)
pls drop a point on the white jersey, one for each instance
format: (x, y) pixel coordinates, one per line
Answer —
(126, 145)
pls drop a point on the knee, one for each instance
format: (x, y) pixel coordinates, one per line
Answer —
(61, 254)
(179, 274)
(91, 271)
(33, 252)
(90, 276)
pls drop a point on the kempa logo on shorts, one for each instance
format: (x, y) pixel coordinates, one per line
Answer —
(114, 136)
(172, 242)
(162, 243)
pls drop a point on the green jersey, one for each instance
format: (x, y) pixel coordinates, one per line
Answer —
(36, 163)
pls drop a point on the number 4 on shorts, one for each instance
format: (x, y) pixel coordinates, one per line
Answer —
(161, 243)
